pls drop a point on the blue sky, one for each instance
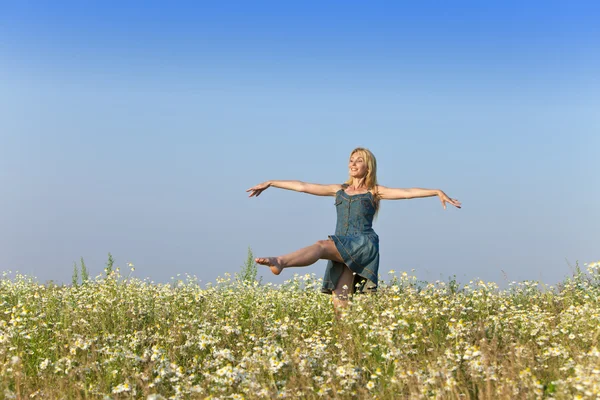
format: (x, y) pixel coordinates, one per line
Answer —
(136, 128)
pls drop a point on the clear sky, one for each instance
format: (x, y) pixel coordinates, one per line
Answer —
(136, 127)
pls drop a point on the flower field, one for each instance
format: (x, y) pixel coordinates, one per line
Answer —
(116, 337)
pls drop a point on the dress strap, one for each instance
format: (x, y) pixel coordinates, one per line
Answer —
(344, 185)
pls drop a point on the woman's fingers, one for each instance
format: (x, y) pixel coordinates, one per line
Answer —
(454, 202)
(254, 192)
(258, 189)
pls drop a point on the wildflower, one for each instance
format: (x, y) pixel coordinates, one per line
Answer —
(370, 385)
(44, 364)
(123, 387)
(155, 396)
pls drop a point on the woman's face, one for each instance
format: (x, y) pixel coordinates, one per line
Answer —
(357, 166)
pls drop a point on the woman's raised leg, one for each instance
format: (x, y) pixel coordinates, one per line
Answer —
(322, 250)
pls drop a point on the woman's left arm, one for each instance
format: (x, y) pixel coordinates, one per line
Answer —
(386, 193)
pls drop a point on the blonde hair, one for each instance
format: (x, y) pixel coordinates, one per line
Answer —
(371, 177)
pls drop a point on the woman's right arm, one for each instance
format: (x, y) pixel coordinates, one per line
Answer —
(298, 186)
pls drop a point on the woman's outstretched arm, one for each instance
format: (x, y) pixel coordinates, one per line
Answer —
(310, 188)
(414, 193)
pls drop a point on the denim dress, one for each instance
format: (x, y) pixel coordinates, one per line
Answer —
(356, 241)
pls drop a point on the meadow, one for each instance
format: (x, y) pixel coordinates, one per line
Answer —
(121, 337)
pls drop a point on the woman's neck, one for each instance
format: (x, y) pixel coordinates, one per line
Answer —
(358, 184)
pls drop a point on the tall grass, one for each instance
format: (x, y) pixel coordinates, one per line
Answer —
(119, 337)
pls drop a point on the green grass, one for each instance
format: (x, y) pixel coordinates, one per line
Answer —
(129, 338)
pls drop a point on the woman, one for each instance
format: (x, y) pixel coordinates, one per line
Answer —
(353, 252)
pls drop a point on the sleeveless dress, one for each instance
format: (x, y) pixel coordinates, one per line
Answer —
(356, 241)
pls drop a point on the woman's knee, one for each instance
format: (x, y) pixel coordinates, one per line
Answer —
(324, 243)
(329, 251)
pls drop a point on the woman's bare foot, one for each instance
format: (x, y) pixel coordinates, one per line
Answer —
(271, 262)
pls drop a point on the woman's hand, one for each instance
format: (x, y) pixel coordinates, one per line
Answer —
(258, 189)
(445, 199)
